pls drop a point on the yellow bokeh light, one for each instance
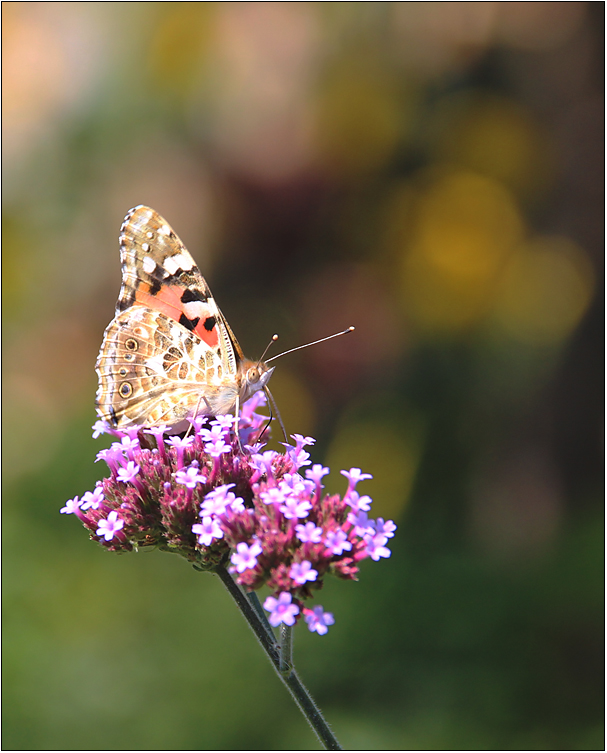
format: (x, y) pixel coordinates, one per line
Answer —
(464, 227)
(362, 115)
(494, 136)
(178, 44)
(546, 289)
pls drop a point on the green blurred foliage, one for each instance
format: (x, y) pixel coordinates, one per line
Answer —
(432, 174)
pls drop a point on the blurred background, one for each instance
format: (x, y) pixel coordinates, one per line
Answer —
(431, 173)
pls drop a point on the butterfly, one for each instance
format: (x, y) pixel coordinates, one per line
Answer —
(169, 353)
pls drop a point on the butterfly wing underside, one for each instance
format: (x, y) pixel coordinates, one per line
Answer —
(169, 349)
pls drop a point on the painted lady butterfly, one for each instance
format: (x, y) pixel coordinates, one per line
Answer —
(169, 352)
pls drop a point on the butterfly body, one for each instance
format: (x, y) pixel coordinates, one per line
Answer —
(169, 352)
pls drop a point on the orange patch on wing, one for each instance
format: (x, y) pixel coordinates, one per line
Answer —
(211, 338)
(168, 301)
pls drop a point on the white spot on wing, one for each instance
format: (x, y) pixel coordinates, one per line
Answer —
(164, 230)
(178, 261)
(171, 265)
(195, 309)
(149, 265)
(145, 247)
(155, 364)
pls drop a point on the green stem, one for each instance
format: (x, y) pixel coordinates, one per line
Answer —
(280, 657)
(286, 649)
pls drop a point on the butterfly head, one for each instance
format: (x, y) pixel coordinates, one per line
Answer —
(255, 375)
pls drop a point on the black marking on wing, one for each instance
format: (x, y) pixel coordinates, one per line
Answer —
(155, 286)
(190, 295)
(209, 323)
(189, 323)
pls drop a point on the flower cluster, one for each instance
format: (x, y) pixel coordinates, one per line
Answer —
(215, 496)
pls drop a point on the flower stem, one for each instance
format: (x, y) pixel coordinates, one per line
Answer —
(286, 649)
(280, 656)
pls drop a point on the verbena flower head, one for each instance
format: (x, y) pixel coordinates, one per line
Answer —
(220, 499)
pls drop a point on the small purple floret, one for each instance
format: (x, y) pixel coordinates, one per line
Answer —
(71, 506)
(316, 472)
(92, 499)
(308, 532)
(294, 508)
(337, 542)
(281, 609)
(386, 528)
(301, 572)
(207, 531)
(128, 473)
(190, 476)
(376, 548)
(245, 556)
(109, 526)
(318, 620)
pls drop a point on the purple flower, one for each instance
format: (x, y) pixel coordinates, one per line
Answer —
(109, 526)
(71, 506)
(263, 461)
(247, 412)
(318, 620)
(354, 475)
(128, 473)
(208, 530)
(245, 556)
(157, 430)
(92, 499)
(190, 476)
(376, 548)
(316, 472)
(302, 441)
(129, 444)
(362, 524)
(337, 542)
(294, 508)
(299, 457)
(281, 609)
(214, 434)
(217, 501)
(272, 496)
(301, 572)
(225, 421)
(217, 448)
(293, 484)
(357, 502)
(99, 428)
(308, 532)
(180, 443)
(111, 457)
(283, 532)
(384, 529)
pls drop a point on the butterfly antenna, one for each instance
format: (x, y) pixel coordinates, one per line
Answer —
(307, 345)
(273, 340)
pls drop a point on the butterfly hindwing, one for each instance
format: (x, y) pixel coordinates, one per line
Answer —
(152, 371)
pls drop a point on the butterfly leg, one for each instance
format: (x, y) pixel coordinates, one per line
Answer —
(278, 416)
(200, 399)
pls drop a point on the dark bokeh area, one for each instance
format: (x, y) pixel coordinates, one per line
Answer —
(431, 173)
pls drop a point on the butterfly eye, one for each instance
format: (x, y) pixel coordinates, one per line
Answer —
(253, 374)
